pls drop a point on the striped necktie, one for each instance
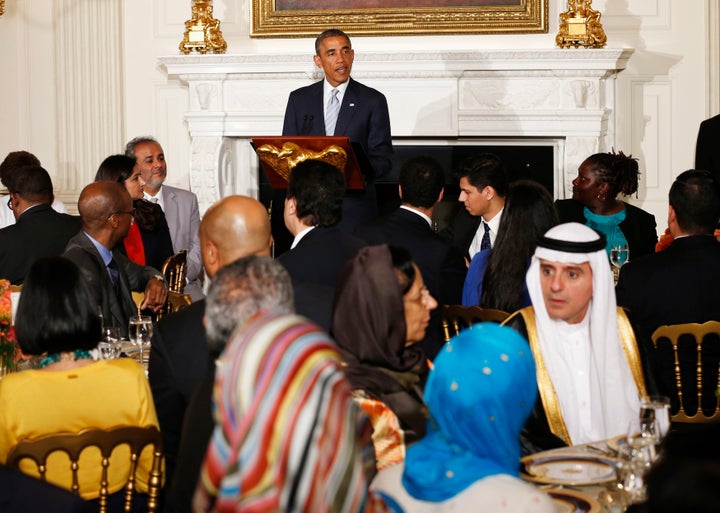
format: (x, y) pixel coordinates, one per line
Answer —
(333, 109)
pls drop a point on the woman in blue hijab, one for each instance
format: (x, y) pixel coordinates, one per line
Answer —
(479, 394)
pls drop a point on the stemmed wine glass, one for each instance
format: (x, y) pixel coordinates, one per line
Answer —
(140, 331)
(619, 255)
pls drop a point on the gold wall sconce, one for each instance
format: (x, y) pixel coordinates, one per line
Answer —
(580, 26)
(2, 7)
(202, 32)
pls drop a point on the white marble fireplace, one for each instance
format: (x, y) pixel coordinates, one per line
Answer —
(561, 98)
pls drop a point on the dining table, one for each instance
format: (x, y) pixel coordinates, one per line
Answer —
(582, 478)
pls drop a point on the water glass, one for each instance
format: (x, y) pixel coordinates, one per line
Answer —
(140, 330)
(656, 408)
(109, 350)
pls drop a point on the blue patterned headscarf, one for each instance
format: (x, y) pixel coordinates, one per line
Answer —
(479, 394)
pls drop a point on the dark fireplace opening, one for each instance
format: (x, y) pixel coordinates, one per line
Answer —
(522, 161)
(531, 162)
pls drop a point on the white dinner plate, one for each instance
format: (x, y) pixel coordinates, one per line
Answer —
(568, 468)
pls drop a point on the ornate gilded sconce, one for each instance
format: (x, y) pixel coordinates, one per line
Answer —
(2, 7)
(202, 32)
(580, 26)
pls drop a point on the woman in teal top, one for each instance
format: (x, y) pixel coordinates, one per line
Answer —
(601, 177)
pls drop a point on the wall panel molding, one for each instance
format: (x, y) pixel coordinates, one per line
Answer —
(89, 95)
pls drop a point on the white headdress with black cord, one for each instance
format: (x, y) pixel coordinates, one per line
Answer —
(610, 391)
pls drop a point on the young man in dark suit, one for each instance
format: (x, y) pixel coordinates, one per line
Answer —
(421, 187)
(339, 105)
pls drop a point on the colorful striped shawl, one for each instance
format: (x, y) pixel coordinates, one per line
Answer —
(287, 428)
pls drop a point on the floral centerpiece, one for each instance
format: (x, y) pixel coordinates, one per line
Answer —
(9, 350)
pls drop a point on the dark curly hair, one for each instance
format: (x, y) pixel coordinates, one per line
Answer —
(618, 170)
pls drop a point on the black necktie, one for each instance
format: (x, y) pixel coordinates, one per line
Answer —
(485, 242)
(114, 273)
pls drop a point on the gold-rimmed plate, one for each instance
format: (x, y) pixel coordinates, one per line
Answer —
(614, 442)
(568, 468)
(569, 501)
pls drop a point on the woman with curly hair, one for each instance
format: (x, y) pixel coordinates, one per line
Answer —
(148, 242)
(601, 177)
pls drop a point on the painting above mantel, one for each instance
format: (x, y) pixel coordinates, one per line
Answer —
(307, 18)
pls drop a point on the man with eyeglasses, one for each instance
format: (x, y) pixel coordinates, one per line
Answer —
(39, 231)
(106, 212)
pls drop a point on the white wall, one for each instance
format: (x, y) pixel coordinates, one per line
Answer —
(669, 86)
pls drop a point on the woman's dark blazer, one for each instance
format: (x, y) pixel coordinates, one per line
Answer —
(639, 227)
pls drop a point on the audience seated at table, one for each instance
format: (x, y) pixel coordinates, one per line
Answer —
(601, 177)
(70, 391)
(479, 393)
(380, 313)
(496, 276)
(589, 367)
(148, 240)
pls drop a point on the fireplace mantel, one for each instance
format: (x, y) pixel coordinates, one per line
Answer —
(562, 96)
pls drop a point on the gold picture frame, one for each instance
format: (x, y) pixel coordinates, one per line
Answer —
(307, 18)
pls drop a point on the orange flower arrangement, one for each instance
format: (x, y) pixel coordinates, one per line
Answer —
(666, 239)
(10, 352)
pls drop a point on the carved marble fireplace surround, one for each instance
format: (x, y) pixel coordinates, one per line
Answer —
(561, 98)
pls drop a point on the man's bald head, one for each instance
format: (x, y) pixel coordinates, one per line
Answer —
(99, 201)
(232, 228)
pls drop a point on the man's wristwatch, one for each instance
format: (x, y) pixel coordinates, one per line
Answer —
(161, 278)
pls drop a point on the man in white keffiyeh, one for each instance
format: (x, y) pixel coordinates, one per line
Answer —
(588, 364)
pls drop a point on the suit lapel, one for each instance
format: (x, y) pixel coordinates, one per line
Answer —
(172, 214)
(350, 103)
(115, 308)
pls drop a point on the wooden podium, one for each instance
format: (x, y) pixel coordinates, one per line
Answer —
(280, 154)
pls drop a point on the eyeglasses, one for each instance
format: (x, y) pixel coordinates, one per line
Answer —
(128, 212)
(10, 203)
(423, 298)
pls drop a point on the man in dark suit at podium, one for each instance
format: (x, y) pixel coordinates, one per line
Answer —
(338, 105)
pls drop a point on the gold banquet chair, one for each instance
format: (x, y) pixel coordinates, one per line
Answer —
(106, 440)
(455, 318)
(175, 271)
(698, 333)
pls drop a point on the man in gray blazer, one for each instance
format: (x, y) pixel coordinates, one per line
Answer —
(106, 212)
(180, 206)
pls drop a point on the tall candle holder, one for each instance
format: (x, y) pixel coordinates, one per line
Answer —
(580, 26)
(202, 32)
